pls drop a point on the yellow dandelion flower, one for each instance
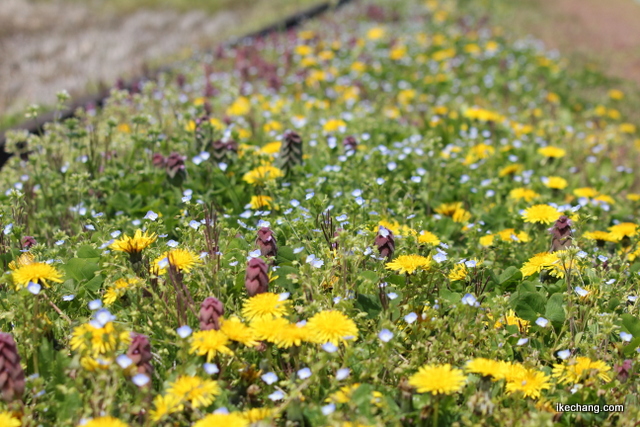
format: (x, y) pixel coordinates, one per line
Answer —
(587, 192)
(409, 264)
(556, 183)
(539, 262)
(461, 215)
(195, 390)
(36, 272)
(105, 422)
(8, 420)
(271, 148)
(487, 367)
(135, 244)
(98, 341)
(255, 415)
(262, 174)
(23, 260)
(235, 330)
(375, 33)
(272, 126)
(624, 229)
(331, 326)
(292, 334)
(554, 152)
(487, 240)
(232, 419)
(511, 170)
(523, 194)
(259, 202)
(183, 259)
(604, 199)
(164, 406)
(118, 289)
(511, 319)
(616, 94)
(394, 227)
(438, 379)
(303, 50)
(268, 328)
(543, 214)
(627, 128)
(601, 235)
(529, 382)
(343, 395)
(334, 125)
(428, 238)
(634, 197)
(240, 107)
(209, 343)
(574, 370)
(458, 273)
(265, 304)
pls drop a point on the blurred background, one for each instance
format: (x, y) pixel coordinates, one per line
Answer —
(77, 45)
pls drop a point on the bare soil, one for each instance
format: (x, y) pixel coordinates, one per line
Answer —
(606, 32)
(49, 46)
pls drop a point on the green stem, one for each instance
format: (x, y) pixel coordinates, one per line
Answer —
(436, 410)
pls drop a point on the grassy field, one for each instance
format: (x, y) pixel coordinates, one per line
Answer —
(395, 216)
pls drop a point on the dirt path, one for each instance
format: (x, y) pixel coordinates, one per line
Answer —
(602, 31)
(49, 46)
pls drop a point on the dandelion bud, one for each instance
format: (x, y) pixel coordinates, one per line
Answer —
(350, 144)
(11, 373)
(385, 242)
(256, 279)
(291, 150)
(561, 234)
(267, 242)
(28, 241)
(211, 310)
(159, 160)
(140, 353)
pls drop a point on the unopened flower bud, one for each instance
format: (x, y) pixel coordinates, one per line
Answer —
(28, 241)
(256, 279)
(211, 310)
(11, 373)
(159, 160)
(140, 353)
(175, 164)
(266, 241)
(561, 234)
(385, 242)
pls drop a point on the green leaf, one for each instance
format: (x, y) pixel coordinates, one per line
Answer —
(631, 324)
(82, 268)
(630, 349)
(511, 274)
(450, 297)
(369, 276)
(88, 251)
(370, 304)
(94, 284)
(528, 305)
(554, 311)
(285, 255)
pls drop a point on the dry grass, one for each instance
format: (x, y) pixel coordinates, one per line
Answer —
(50, 45)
